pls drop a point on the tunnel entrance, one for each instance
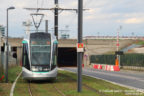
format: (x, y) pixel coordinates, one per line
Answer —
(67, 57)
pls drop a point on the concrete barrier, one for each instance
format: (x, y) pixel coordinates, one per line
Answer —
(97, 66)
(106, 67)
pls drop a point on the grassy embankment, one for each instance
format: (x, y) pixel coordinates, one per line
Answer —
(12, 74)
(140, 42)
(66, 83)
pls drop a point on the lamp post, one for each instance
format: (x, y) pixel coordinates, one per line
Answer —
(6, 72)
(118, 56)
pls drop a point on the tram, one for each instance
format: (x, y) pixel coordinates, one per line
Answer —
(39, 56)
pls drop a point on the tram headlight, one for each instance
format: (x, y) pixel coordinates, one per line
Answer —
(34, 68)
(45, 69)
(39, 68)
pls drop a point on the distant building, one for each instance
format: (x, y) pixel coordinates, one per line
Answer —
(2, 30)
(65, 36)
(65, 33)
(115, 37)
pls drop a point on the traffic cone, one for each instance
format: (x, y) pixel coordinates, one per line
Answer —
(117, 62)
(116, 67)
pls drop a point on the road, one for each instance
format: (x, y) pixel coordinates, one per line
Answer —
(129, 79)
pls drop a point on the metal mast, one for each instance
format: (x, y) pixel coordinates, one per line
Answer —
(56, 19)
(56, 10)
(80, 54)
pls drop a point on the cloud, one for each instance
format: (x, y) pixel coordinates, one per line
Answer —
(68, 4)
(89, 17)
(101, 17)
(105, 13)
(132, 21)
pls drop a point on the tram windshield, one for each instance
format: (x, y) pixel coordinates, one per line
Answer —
(40, 45)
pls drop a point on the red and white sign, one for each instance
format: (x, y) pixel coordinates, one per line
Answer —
(80, 47)
(117, 44)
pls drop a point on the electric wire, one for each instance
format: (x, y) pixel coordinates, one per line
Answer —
(72, 19)
(42, 3)
(37, 3)
(88, 2)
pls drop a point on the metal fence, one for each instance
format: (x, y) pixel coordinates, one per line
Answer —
(103, 59)
(125, 60)
(12, 61)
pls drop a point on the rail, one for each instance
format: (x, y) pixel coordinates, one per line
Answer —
(29, 89)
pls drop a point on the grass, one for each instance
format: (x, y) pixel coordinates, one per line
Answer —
(66, 82)
(21, 88)
(12, 74)
(140, 42)
(1, 89)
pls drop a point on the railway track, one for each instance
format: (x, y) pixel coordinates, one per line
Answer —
(93, 89)
(60, 92)
(88, 87)
(29, 89)
(55, 88)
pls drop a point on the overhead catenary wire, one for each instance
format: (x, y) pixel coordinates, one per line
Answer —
(42, 3)
(88, 2)
(60, 9)
(74, 17)
(37, 3)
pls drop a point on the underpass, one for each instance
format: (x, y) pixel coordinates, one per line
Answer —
(67, 57)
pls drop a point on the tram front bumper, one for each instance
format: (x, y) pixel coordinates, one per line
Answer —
(29, 75)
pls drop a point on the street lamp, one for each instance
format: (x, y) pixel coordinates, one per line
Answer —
(6, 72)
(118, 55)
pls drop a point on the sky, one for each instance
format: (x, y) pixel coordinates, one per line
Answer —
(103, 18)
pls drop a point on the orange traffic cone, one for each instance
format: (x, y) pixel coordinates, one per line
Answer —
(117, 62)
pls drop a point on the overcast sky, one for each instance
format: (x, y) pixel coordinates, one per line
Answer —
(103, 18)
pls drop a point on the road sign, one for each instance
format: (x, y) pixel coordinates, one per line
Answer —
(117, 44)
(80, 47)
(119, 53)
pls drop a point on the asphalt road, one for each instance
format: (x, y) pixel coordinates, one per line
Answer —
(131, 79)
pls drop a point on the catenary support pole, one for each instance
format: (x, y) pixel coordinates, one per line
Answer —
(56, 19)
(46, 26)
(6, 70)
(80, 54)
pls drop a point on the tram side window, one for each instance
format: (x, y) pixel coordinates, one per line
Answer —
(54, 56)
(25, 58)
